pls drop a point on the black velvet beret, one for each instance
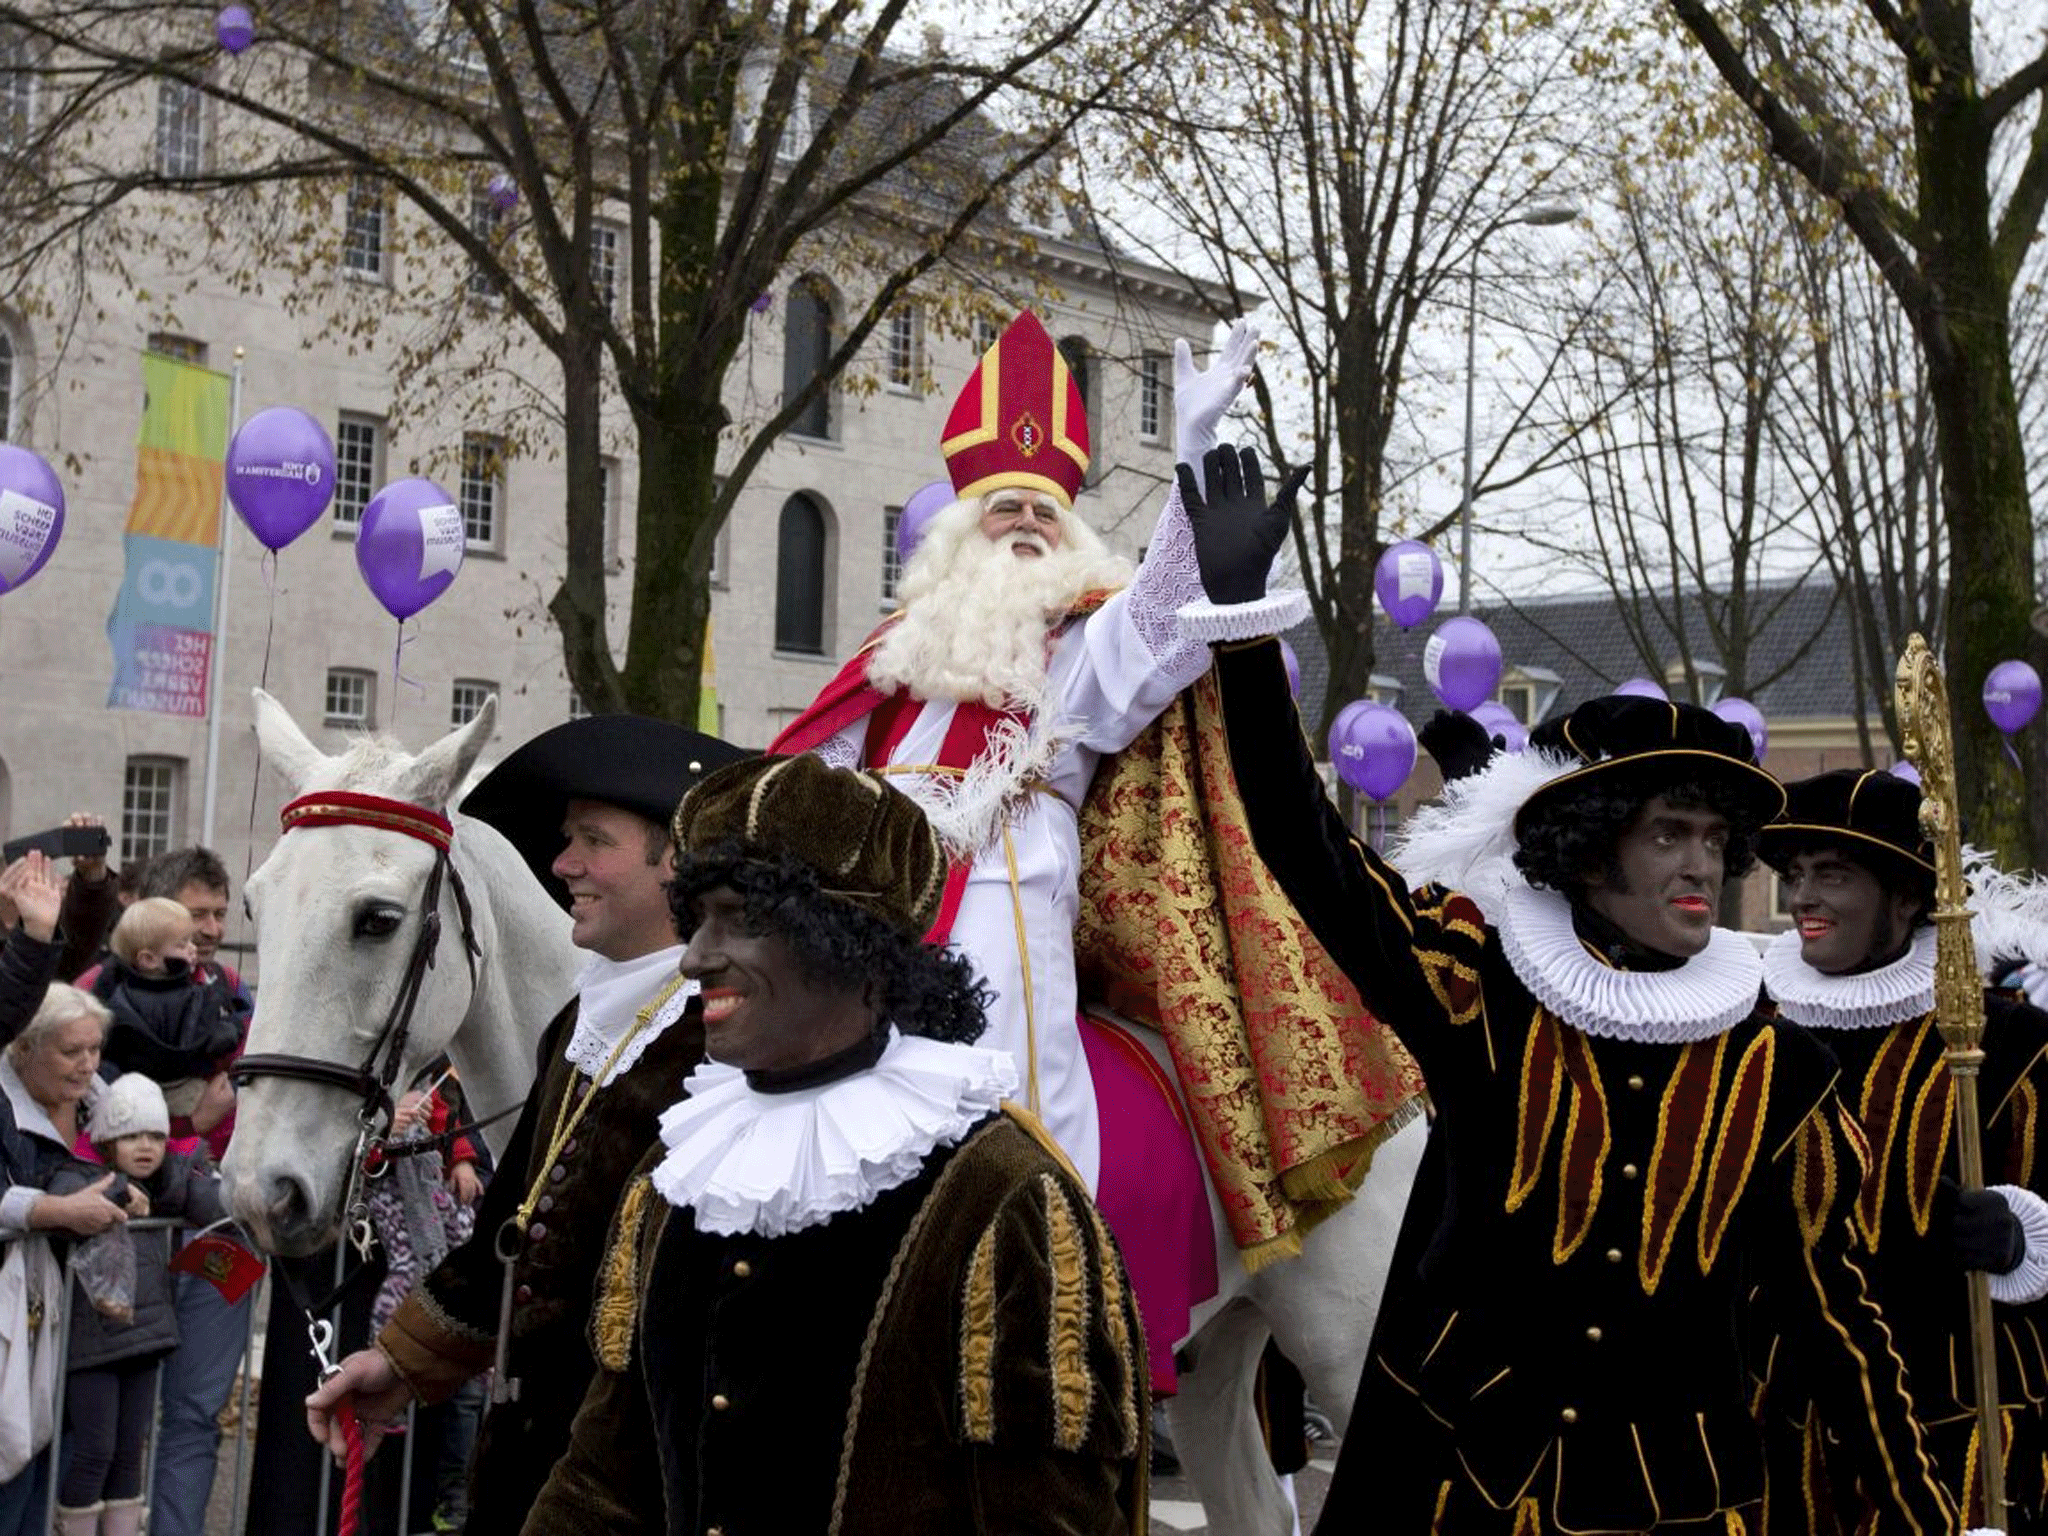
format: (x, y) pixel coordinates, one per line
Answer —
(1647, 739)
(1872, 816)
(639, 764)
(868, 842)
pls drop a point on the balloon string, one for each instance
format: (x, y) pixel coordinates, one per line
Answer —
(256, 772)
(2012, 756)
(398, 678)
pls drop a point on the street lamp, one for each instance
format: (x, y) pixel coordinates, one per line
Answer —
(1544, 213)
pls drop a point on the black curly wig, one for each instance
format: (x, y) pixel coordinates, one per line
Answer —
(921, 989)
(1581, 831)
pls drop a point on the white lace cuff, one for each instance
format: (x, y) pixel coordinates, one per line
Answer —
(2028, 1281)
(838, 752)
(1212, 622)
(1168, 578)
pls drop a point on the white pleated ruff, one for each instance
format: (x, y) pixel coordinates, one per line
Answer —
(1875, 999)
(776, 1163)
(1708, 995)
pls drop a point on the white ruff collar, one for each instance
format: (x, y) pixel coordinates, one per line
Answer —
(776, 1163)
(610, 995)
(1903, 989)
(1708, 995)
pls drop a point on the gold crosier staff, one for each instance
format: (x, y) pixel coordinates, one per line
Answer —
(1958, 1005)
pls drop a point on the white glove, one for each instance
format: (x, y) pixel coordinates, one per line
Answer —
(1200, 397)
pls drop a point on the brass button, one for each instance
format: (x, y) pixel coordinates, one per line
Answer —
(1593, 1335)
(1635, 1082)
(720, 1402)
(742, 1269)
(1570, 1415)
(537, 1231)
(1614, 1255)
(557, 1173)
(1628, 1170)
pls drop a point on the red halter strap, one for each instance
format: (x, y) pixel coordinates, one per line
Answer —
(346, 808)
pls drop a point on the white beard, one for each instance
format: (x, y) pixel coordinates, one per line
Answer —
(976, 615)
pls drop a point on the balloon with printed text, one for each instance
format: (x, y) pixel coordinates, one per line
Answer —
(2012, 695)
(280, 474)
(1461, 662)
(234, 28)
(410, 545)
(1409, 579)
(1373, 747)
(926, 502)
(31, 514)
(1745, 714)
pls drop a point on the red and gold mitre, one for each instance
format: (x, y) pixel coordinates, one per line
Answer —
(1019, 421)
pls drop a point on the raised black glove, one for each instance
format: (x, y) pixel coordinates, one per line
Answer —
(1459, 743)
(1983, 1232)
(1237, 531)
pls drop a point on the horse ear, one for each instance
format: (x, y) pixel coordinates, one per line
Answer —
(284, 745)
(437, 771)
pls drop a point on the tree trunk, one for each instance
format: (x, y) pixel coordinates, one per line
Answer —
(672, 561)
(578, 603)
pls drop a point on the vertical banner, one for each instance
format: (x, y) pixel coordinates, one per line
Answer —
(161, 628)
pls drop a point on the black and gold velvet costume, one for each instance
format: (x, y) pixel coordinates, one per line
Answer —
(960, 1355)
(445, 1331)
(1568, 1356)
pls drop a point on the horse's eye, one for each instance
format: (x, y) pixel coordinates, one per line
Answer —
(378, 920)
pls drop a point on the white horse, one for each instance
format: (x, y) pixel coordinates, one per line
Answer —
(338, 912)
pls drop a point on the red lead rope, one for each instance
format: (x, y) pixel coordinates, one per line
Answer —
(352, 1471)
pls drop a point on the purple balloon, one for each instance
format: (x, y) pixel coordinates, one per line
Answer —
(410, 546)
(1643, 688)
(1292, 663)
(1904, 769)
(503, 192)
(234, 28)
(1462, 662)
(1745, 714)
(763, 302)
(1500, 721)
(31, 514)
(1409, 579)
(2012, 695)
(280, 473)
(926, 502)
(1373, 748)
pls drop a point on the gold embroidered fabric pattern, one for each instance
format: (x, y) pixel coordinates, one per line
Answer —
(1540, 1085)
(1879, 1112)
(1067, 1320)
(1586, 1141)
(1927, 1142)
(1130, 1352)
(617, 1312)
(1290, 1083)
(2024, 1113)
(1742, 1131)
(1813, 1177)
(1683, 1115)
(978, 1343)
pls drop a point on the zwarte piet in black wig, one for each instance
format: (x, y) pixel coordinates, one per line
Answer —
(921, 989)
(1580, 831)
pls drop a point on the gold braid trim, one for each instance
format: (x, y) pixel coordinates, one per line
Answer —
(617, 1313)
(978, 1343)
(1067, 1321)
(1130, 1351)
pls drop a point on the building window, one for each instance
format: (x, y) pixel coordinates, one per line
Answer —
(1528, 692)
(578, 710)
(1710, 676)
(1154, 387)
(364, 236)
(150, 792)
(1384, 688)
(905, 345)
(180, 129)
(608, 496)
(10, 387)
(800, 577)
(987, 332)
(807, 346)
(719, 552)
(185, 349)
(892, 565)
(1081, 363)
(1519, 700)
(351, 697)
(466, 701)
(17, 94)
(487, 223)
(605, 249)
(483, 488)
(358, 466)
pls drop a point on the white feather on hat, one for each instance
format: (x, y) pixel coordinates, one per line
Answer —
(2009, 913)
(1466, 840)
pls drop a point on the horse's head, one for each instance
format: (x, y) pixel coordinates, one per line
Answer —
(339, 910)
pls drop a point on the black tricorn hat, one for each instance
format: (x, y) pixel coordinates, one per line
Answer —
(639, 764)
(1870, 815)
(867, 841)
(1644, 739)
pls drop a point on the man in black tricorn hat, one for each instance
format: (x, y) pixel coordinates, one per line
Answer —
(587, 804)
(850, 1290)
(1858, 968)
(1628, 1145)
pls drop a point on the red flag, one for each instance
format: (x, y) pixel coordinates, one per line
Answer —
(223, 1263)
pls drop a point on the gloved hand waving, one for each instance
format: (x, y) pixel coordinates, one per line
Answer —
(1202, 395)
(1237, 531)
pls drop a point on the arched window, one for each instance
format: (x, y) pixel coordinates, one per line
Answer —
(1081, 362)
(807, 344)
(800, 577)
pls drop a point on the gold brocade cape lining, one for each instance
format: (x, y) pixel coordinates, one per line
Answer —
(1290, 1083)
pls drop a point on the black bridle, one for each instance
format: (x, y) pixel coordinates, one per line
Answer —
(373, 1080)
